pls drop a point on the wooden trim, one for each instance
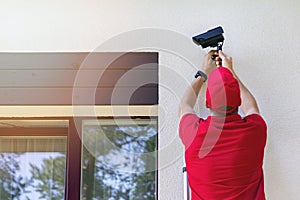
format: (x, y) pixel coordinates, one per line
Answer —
(82, 78)
(77, 78)
(77, 111)
(135, 95)
(33, 131)
(75, 60)
(73, 178)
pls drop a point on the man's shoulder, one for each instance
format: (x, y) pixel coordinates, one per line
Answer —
(256, 119)
(188, 127)
(191, 119)
(188, 120)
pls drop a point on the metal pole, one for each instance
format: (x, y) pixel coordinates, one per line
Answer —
(186, 187)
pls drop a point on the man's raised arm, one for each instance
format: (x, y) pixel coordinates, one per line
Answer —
(249, 105)
(189, 98)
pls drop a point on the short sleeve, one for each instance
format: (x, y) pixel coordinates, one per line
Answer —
(256, 119)
(188, 127)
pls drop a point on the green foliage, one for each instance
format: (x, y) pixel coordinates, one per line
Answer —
(48, 180)
(119, 163)
(11, 184)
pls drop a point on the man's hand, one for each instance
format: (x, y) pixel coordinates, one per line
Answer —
(249, 105)
(225, 59)
(209, 64)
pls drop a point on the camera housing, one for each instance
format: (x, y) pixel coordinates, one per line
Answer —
(211, 38)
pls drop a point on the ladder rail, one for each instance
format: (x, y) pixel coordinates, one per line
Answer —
(186, 187)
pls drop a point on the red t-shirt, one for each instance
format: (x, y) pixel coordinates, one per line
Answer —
(224, 156)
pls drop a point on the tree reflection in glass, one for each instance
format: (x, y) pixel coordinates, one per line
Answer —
(119, 160)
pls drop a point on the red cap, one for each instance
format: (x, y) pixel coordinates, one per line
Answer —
(222, 91)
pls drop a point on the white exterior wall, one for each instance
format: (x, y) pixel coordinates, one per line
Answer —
(262, 36)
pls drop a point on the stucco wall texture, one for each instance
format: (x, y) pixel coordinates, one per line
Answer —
(261, 36)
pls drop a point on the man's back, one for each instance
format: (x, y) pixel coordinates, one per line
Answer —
(224, 153)
(224, 156)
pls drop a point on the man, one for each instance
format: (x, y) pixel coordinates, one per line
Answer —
(223, 153)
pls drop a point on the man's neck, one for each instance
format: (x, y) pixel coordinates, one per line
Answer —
(218, 114)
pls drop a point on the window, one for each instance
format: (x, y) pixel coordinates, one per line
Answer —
(32, 159)
(119, 159)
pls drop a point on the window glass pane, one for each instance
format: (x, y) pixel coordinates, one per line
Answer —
(32, 162)
(119, 160)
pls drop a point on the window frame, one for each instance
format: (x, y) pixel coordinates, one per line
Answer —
(36, 130)
(146, 117)
(74, 144)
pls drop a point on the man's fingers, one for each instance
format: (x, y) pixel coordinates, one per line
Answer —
(218, 58)
(212, 52)
(221, 54)
(227, 60)
(218, 61)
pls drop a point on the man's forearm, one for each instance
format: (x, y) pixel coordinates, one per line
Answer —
(249, 105)
(191, 94)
